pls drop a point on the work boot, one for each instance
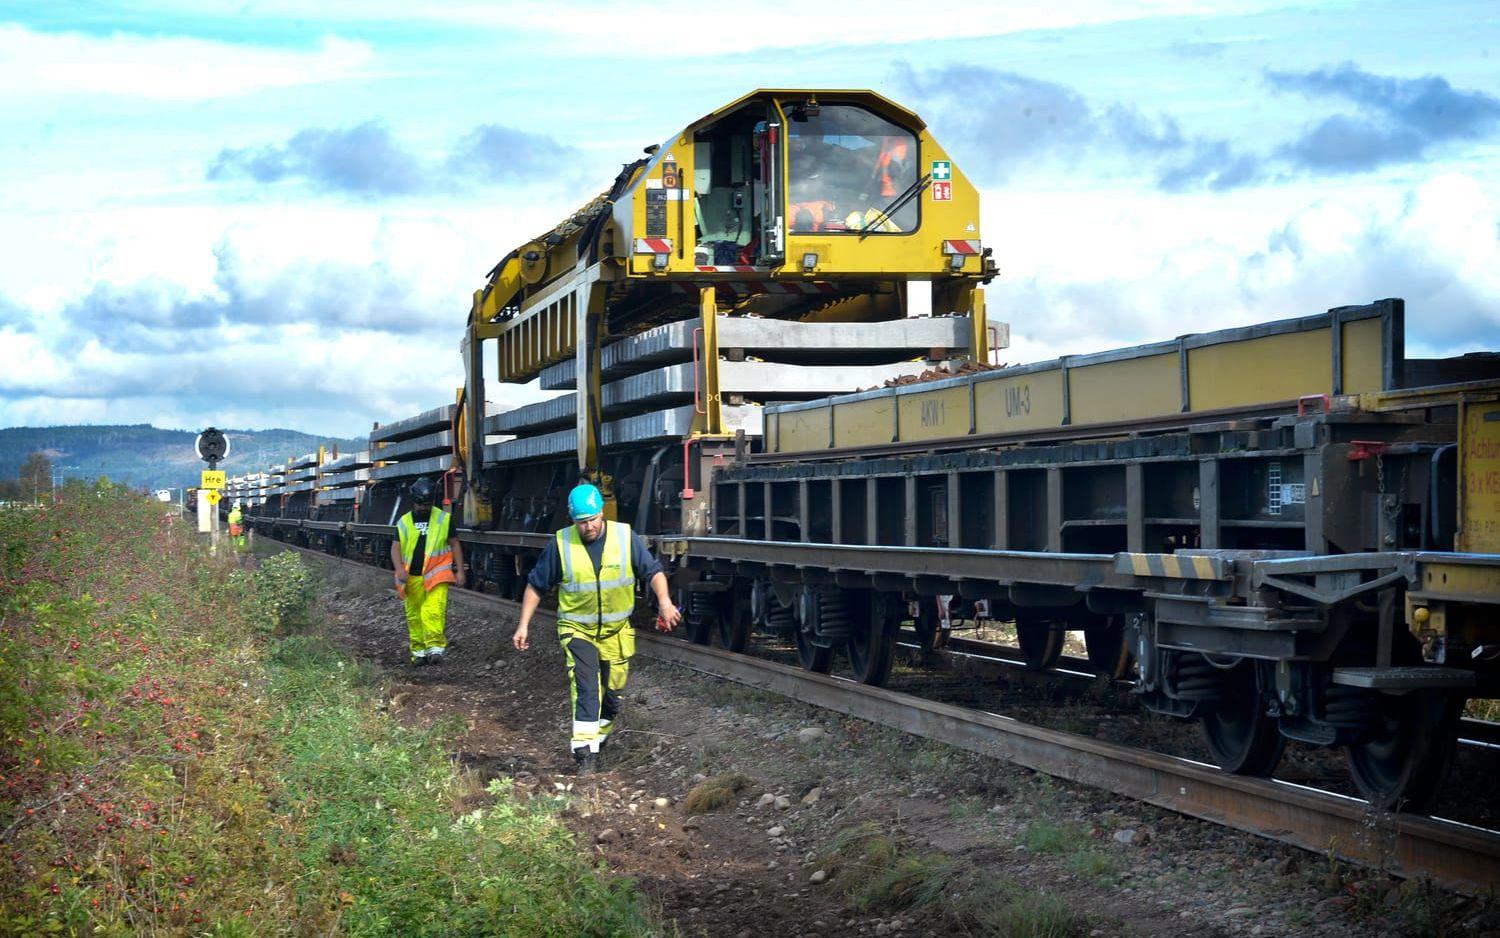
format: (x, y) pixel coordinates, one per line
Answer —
(434, 657)
(418, 660)
(587, 760)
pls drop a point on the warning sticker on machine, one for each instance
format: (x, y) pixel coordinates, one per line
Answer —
(656, 213)
(942, 170)
(942, 192)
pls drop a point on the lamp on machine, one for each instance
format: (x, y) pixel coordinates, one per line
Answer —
(809, 261)
(809, 108)
(661, 261)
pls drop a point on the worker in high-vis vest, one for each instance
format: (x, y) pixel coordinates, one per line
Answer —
(427, 558)
(237, 525)
(595, 565)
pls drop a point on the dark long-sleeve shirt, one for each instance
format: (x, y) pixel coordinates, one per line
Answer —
(548, 570)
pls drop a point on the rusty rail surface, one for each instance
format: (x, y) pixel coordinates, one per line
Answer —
(1457, 856)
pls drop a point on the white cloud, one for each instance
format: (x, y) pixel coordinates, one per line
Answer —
(1089, 271)
(660, 27)
(164, 68)
(794, 23)
(319, 319)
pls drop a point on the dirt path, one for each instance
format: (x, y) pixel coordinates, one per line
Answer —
(750, 869)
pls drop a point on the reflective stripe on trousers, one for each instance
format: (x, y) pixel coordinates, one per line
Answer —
(597, 672)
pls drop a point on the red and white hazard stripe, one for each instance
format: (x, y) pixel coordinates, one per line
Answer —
(961, 247)
(732, 269)
(653, 245)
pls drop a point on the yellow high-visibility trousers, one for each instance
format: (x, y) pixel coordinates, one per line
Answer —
(598, 667)
(426, 616)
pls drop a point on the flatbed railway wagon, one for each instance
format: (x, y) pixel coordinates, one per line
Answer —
(1284, 531)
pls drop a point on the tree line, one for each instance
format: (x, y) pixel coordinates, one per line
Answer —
(33, 480)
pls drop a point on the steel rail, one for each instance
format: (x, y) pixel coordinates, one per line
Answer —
(1004, 660)
(1454, 855)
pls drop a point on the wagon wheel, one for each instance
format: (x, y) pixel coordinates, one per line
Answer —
(818, 658)
(1399, 765)
(1241, 737)
(872, 641)
(1108, 651)
(1041, 642)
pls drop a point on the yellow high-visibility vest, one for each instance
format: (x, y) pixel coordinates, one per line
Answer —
(587, 600)
(438, 567)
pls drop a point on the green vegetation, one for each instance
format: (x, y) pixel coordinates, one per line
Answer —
(33, 480)
(282, 593)
(182, 757)
(715, 792)
(1047, 837)
(878, 874)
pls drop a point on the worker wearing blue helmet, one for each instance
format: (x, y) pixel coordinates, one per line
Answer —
(595, 565)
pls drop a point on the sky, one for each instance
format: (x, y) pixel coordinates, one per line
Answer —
(272, 213)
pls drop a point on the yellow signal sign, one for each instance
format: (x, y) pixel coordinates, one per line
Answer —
(213, 479)
(212, 495)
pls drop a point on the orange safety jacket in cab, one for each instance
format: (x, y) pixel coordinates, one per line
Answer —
(891, 151)
(818, 212)
(438, 567)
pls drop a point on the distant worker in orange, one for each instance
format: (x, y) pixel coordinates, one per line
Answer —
(237, 525)
(427, 559)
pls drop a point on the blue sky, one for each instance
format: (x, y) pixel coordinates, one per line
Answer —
(273, 213)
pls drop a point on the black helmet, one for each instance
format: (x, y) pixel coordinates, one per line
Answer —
(421, 491)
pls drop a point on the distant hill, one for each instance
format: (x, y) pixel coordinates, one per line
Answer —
(142, 455)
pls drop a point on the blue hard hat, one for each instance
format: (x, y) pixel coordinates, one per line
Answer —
(585, 502)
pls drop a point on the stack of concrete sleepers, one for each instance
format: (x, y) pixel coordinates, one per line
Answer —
(257, 485)
(240, 489)
(341, 480)
(421, 445)
(301, 473)
(649, 381)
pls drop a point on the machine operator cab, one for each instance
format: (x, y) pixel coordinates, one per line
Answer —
(829, 183)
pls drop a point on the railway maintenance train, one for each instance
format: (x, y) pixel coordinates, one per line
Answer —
(773, 330)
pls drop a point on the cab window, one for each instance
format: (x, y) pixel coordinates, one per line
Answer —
(847, 166)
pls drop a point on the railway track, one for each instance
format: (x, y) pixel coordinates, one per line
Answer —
(1456, 856)
(992, 658)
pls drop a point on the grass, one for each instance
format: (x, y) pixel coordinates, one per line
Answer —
(716, 792)
(1050, 837)
(182, 756)
(1093, 864)
(878, 874)
(1483, 709)
(738, 697)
